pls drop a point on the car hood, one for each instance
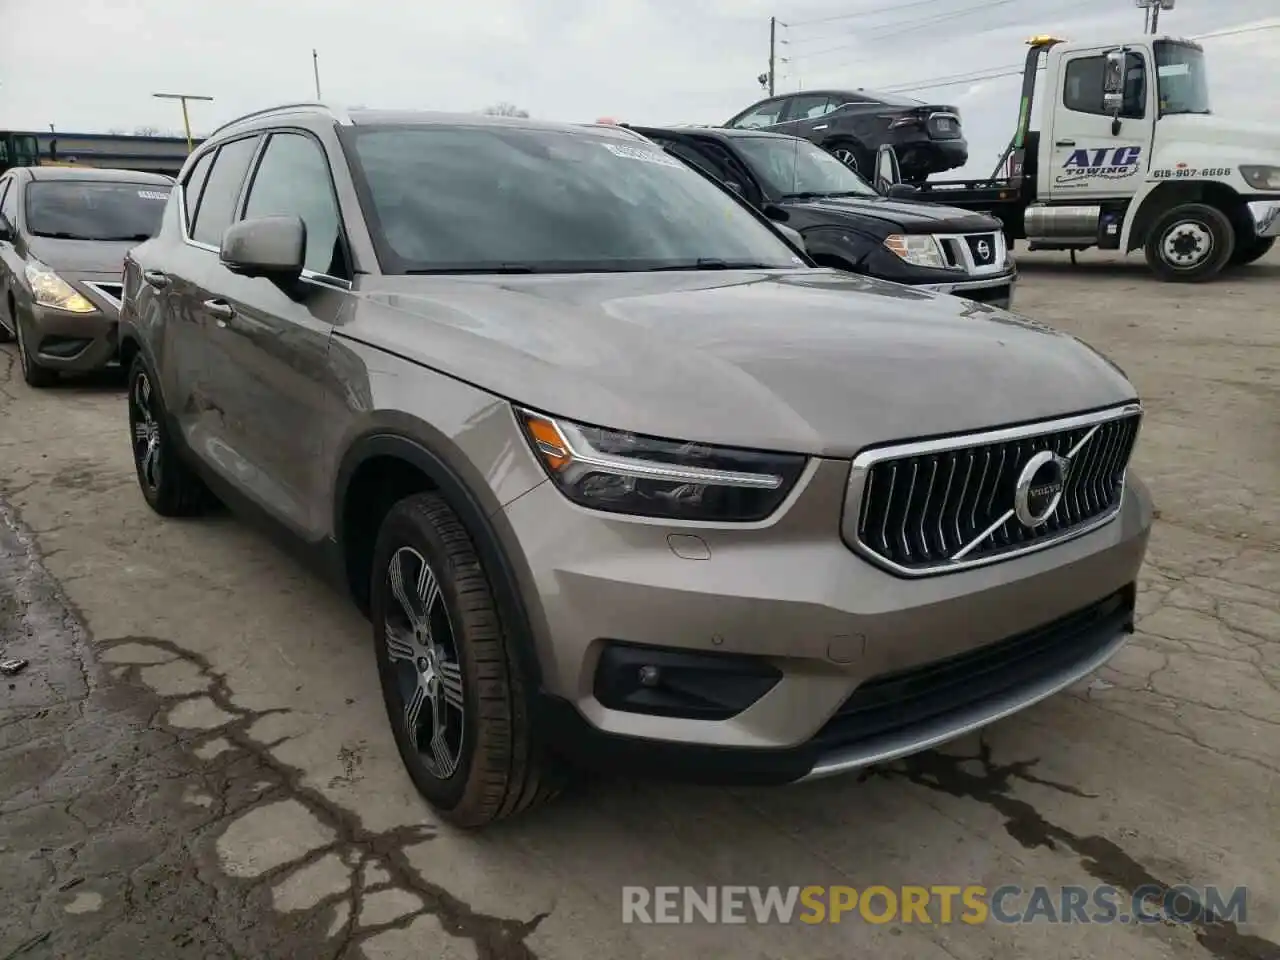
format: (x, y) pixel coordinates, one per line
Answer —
(904, 216)
(814, 361)
(81, 256)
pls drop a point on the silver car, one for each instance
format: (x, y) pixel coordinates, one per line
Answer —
(64, 232)
(618, 477)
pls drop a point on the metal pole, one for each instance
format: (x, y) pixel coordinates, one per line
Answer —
(315, 66)
(773, 48)
(186, 117)
(1155, 17)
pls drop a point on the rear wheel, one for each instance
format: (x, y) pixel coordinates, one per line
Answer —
(169, 486)
(452, 688)
(1254, 249)
(853, 155)
(1190, 243)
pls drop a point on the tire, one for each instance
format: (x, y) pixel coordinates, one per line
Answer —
(853, 155)
(488, 765)
(33, 374)
(5, 335)
(1190, 243)
(1254, 249)
(168, 484)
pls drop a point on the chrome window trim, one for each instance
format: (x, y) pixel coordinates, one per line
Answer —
(863, 462)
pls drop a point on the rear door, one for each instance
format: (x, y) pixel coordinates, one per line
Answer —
(804, 114)
(269, 342)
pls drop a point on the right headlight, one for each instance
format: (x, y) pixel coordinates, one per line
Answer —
(50, 290)
(919, 249)
(622, 472)
(1261, 178)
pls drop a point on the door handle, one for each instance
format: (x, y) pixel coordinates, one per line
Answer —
(156, 279)
(220, 309)
(822, 126)
(1066, 143)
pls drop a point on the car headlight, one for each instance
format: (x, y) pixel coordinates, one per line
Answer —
(623, 472)
(1261, 178)
(919, 249)
(50, 290)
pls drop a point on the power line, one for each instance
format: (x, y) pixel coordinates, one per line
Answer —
(1013, 70)
(870, 11)
(905, 26)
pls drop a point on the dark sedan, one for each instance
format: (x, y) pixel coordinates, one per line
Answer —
(843, 221)
(853, 124)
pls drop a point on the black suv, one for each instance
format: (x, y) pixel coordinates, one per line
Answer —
(854, 124)
(844, 222)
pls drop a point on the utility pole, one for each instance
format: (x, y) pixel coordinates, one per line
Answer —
(315, 67)
(773, 51)
(186, 118)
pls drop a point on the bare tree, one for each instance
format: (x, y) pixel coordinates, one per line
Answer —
(145, 131)
(116, 132)
(505, 109)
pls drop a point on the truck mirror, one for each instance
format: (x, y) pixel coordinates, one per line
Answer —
(1113, 82)
(888, 173)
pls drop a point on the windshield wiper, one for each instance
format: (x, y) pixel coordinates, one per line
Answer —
(824, 194)
(138, 237)
(60, 235)
(496, 268)
(713, 263)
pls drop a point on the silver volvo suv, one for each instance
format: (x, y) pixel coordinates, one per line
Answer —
(618, 476)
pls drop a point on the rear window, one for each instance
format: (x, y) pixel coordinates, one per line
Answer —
(95, 210)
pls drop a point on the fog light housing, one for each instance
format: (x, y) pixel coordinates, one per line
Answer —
(679, 683)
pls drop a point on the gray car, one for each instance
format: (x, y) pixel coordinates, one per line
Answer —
(64, 233)
(619, 480)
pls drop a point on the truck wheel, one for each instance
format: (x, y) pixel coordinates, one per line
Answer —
(453, 690)
(1190, 243)
(1254, 249)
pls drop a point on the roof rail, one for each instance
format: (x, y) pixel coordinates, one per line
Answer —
(280, 108)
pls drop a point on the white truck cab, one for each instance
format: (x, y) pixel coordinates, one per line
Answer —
(1129, 155)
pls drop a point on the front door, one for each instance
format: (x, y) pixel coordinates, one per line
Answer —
(1094, 155)
(269, 343)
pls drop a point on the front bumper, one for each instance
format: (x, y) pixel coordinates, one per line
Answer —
(996, 291)
(1266, 218)
(790, 592)
(75, 342)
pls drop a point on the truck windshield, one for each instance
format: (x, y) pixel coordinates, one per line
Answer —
(793, 167)
(1180, 73)
(506, 199)
(26, 151)
(95, 210)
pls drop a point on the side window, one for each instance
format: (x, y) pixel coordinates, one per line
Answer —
(806, 108)
(9, 204)
(764, 115)
(293, 179)
(193, 185)
(221, 191)
(1082, 86)
(696, 158)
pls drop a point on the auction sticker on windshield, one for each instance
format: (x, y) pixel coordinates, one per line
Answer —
(153, 195)
(628, 152)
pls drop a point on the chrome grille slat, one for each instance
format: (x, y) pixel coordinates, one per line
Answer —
(959, 489)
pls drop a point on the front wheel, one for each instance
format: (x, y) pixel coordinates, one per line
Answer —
(168, 485)
(1190, 243)
(450, 681)
(1254, 249)
(33, 374)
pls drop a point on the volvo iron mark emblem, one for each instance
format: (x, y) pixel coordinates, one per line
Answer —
(1040, 487)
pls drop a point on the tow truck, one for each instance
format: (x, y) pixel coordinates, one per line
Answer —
(1127, 155)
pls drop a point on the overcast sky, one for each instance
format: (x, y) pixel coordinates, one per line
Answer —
(92, 66)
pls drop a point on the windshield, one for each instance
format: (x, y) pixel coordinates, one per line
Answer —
(95, 210)
(792, 167)
(1183, 83)
(506, 199)
(25, 150)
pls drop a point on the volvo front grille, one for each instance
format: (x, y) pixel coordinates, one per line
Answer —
(940, 505)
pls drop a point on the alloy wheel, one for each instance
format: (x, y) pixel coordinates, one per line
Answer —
(423, 651)
(145, 423)
(847, 157)
(24, 360)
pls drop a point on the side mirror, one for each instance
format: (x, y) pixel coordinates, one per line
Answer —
(1113, 83)
(888, 173)
(792, 234)
(273, 247)
(901, 191)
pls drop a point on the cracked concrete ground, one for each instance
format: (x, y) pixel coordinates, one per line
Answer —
(197, 764)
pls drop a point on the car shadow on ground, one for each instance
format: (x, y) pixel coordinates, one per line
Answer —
(1061, 266)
